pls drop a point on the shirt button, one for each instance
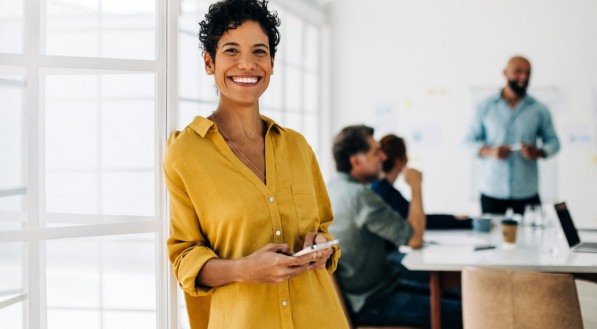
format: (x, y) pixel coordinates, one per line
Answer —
(271, 199)
(278, 233)
(284, 302)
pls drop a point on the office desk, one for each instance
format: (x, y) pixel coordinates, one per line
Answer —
(446, 253)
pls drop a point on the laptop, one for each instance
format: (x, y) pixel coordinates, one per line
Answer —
(571, 232)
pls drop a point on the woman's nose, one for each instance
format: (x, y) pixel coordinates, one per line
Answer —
(246, 62)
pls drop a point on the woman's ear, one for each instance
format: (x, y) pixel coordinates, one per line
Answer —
(273, 65)
(209, 63)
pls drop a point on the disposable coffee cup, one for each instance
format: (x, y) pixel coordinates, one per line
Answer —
(509, 227)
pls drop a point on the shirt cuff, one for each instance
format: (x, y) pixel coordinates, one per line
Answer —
(548, 150)
(332, 262)
(189, 268)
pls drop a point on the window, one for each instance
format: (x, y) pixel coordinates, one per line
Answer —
(81, 197)
(83, 213)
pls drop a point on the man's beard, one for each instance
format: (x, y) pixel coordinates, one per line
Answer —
(517, 89)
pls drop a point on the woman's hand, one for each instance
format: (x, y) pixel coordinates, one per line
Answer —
(318, 259)
(273, 263)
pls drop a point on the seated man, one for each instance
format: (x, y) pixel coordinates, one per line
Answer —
(393, 149)
(364, 223)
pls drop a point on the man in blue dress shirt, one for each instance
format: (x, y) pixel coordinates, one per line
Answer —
(504, 134)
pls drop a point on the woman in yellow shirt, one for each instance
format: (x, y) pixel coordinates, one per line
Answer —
(246, 193)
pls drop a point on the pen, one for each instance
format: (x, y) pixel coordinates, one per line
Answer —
(478, 248)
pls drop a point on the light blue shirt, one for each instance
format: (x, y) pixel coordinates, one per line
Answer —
(495, 124)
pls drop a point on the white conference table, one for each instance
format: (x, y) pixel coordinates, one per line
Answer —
(446, 253)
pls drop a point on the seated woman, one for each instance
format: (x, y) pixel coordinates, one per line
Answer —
(394, 149)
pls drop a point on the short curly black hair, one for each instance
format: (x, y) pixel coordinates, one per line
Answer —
(230, 14)
(350, 141)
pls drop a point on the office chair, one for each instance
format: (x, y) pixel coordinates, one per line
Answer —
(517, 299)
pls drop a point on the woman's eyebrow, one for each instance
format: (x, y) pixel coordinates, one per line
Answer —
(230, 44)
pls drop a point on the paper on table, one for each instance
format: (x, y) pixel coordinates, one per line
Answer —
(456, 241)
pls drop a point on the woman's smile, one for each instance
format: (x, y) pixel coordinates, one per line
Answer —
(245, 80)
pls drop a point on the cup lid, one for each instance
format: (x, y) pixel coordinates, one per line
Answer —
(509, 221)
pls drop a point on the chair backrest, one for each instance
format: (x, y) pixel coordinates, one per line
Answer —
(516, 299)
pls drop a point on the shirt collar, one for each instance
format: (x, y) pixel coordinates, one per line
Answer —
(527, 99)
(346, 177)
(202, 125)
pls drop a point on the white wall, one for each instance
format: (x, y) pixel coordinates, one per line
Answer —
(411, 67)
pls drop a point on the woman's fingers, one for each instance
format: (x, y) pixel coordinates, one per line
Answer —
(320, 238)
(281, 248)
(309, 239)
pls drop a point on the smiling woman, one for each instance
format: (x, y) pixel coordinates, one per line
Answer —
(245, 64)
(234, 180)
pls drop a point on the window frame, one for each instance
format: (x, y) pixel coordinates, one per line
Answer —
(36, 64)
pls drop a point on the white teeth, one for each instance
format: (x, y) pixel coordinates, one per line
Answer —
(245, 79)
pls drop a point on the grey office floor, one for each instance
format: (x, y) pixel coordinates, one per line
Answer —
(587, 294)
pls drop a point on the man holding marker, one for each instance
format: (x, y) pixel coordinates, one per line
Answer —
(505, 133)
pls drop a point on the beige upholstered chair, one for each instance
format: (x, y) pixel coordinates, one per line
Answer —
(347, 312)
(516, 299)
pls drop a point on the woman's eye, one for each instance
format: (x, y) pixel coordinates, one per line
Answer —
(231, 51)
(260, 51)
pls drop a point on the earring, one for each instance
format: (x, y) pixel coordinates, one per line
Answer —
(209, 72)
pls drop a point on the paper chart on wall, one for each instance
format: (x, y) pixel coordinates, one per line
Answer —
(577, 136)
(427, 136)
(383, 118)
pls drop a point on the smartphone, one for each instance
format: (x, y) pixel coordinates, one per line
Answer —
(316, 247)
(516, 147)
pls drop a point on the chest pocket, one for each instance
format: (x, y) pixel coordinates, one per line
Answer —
(305, 204)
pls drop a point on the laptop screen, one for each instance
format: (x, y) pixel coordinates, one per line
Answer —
(567, 224)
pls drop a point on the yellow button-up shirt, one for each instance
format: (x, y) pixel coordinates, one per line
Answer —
(221, 209)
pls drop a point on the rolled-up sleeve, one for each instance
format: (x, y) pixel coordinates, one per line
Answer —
(188, 250)
(378, 218)
(549, 138)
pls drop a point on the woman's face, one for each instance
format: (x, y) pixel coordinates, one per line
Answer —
(401, 164)
(243, 64)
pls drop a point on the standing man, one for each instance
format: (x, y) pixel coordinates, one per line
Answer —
(377, 291)
(504, 133)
